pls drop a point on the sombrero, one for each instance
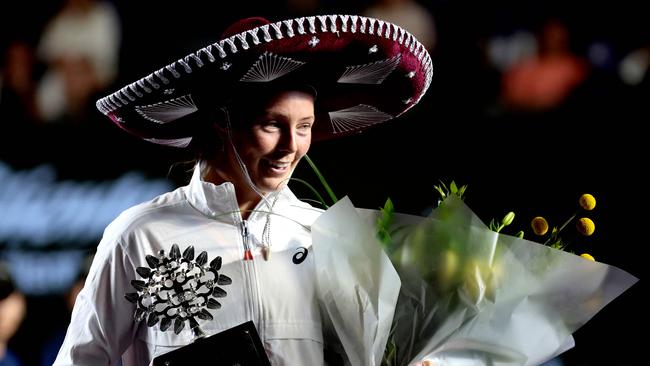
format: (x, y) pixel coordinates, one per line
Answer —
(366, 71)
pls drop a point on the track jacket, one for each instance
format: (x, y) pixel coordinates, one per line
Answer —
(278, 295)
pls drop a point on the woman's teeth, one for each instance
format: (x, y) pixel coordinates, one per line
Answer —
(278, 165)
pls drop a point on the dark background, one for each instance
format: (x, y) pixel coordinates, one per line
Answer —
(532, 163)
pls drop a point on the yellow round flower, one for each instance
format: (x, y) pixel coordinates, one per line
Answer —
(587, 201)
(587, 256)
(539, 225)
(585, 226)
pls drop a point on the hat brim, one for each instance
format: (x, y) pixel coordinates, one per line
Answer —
(365, 72)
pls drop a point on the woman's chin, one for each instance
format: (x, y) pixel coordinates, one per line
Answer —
(269, 185)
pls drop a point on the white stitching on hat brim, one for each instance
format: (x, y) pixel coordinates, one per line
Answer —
(109, 104)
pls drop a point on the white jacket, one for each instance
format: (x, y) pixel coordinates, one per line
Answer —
(278, 295)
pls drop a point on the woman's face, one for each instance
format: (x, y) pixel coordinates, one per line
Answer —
(274, 142)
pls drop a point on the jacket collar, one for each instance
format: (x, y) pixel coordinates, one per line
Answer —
(220, 201)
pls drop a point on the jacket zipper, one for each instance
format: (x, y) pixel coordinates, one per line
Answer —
(249, 265)
(248, 254)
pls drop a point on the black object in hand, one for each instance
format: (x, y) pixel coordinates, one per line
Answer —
(237, 346)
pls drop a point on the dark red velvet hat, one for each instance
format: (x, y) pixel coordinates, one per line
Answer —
(366, 71)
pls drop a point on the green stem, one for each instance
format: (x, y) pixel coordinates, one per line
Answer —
(567, 222)
(553, 237)
(313, 190)
(322, 179)
(317, 202)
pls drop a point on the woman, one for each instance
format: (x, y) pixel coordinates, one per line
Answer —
(250, 104)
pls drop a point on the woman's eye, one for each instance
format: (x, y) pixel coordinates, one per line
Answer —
(270, 125)
(304, 129)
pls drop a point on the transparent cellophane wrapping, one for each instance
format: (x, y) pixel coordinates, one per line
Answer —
(450, 290)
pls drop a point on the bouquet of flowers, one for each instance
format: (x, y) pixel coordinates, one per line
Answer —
(447, 288)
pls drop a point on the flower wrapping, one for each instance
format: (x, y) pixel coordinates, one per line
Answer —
(451, 290)
(357, 283)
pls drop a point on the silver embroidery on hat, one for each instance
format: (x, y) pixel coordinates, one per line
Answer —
(121, 96)
(181, 142)
(372, 73)
(370, 26)
(208, 51)
(312, 24)
(242, 39)
(401, 32)
(134, 89)
(185, 65)
(195, 57)
(357, 117)
(219, 47)
(125, 91)
(141, 84)
(172, 68)
(115, 100)
(344, 22)
(161, 76)
(253, 34)
(353, 23)
(313, 41)
(277, 27)
(380, 26)
(301, 25)
(149, 78)
(407, 40)
(230, 41)
(289, 25)
(169, 110)
(270, 66)
(362, 28)
(323, 22)
(333, 28)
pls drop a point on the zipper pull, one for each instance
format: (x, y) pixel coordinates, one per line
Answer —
(248, 255)
(266, 252)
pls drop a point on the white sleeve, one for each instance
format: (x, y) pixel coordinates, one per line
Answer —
(102, 325)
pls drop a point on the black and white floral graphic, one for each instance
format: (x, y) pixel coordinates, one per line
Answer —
(176, 289)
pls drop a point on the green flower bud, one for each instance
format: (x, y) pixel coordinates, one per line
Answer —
(508, 219)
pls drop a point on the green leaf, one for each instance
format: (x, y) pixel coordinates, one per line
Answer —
(440, 191)
(444, 187)
(453, 187)
(461, 191)
(313, 190)
(322, 179)
(388, 206)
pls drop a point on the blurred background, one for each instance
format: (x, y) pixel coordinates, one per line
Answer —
(532, 104)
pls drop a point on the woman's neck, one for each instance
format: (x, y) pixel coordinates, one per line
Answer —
(247, 198)
(246, 202)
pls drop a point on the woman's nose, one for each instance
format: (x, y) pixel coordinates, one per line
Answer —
(288, 141)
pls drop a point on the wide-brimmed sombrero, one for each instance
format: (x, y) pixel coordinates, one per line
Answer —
(366, 71)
